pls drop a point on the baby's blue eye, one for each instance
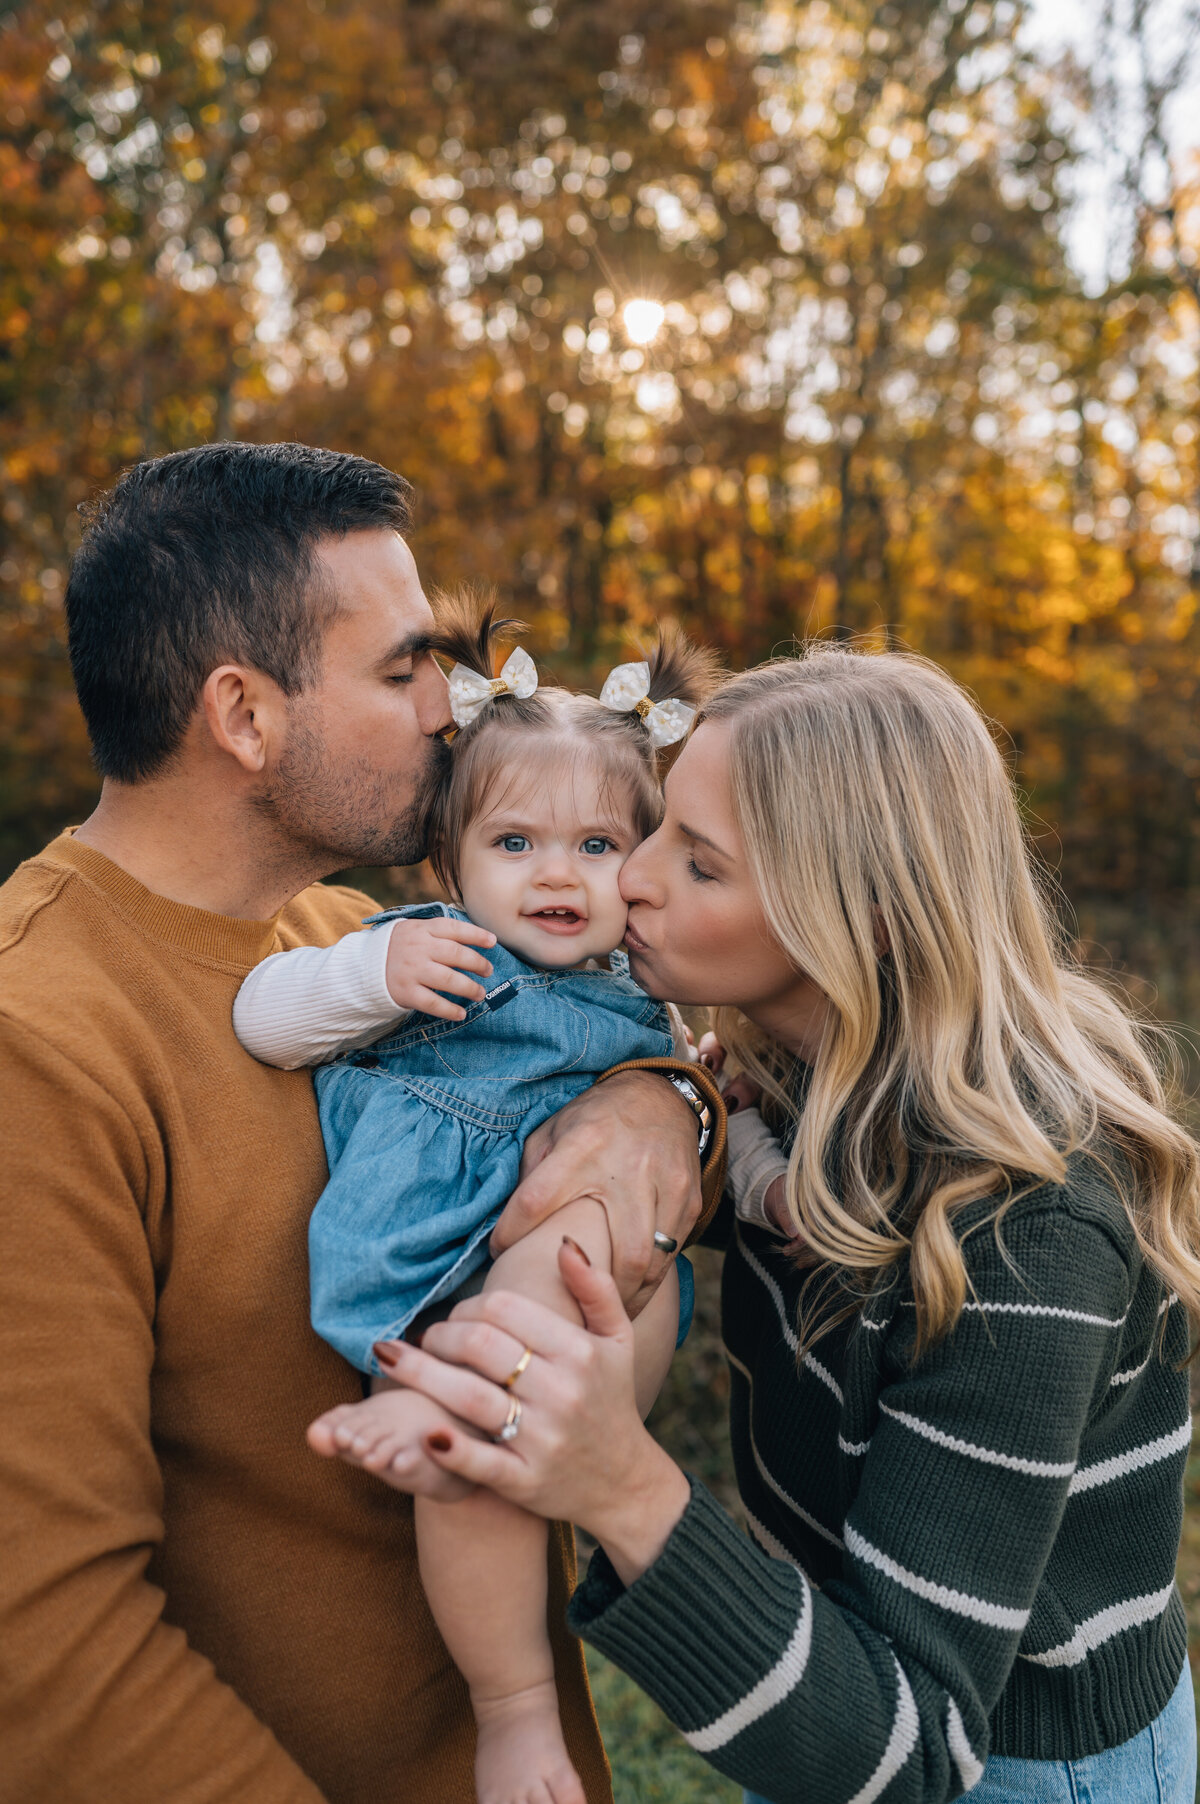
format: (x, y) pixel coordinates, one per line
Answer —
(515, 842)
(597, 846)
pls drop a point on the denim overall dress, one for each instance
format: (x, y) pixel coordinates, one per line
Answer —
(424, 1131)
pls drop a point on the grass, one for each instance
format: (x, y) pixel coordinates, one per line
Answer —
(651, 1763)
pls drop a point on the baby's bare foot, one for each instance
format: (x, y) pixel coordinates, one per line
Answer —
(385, 1435)
(520, 1755)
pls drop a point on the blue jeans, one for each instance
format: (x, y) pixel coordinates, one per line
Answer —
(1156, 1767)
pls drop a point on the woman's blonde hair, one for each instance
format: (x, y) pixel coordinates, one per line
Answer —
(966, 1055)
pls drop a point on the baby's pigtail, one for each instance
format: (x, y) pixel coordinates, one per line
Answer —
(681, 670)
(467, 631)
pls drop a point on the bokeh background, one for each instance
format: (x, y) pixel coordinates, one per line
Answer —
(783, 319)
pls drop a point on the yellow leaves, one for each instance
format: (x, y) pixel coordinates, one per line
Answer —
(1182, 617)
(1059, 670)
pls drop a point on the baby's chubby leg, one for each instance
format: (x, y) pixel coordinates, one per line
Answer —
(483, 1566)
(530, 1267)
(483, 1562)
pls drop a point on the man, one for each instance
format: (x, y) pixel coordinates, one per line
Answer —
(192, 1606)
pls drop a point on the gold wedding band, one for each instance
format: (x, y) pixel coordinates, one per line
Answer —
(520, 1367)
(512, 1422)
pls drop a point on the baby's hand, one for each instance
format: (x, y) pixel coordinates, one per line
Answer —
(427, 956)
(740, 1092)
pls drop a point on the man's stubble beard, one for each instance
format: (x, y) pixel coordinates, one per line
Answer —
(347, 817)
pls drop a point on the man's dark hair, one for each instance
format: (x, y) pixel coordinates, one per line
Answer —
(201, 558)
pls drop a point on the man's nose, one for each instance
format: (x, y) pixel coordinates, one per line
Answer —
(433, 698)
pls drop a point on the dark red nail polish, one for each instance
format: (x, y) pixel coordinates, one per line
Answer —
(385, 1352)
(575, 1248)
(439, 1442)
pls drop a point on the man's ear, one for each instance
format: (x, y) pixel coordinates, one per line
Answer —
(243, 711)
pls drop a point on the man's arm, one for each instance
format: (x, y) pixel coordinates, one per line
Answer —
(100, 1699)
(632, 1143)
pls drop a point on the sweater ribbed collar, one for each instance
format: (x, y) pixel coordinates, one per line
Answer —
(229, 939)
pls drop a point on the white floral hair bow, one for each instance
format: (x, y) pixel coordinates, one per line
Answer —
(627, 691)
(469, 692)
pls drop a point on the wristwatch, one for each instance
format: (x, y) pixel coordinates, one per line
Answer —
(696, 1101)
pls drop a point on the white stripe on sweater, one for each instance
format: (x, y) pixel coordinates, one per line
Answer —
(768, 1479)
(1133, 1372)
(977, 1609)
(970, 1770)
(789, 1333)
(1063, 1315)
(906, 1726)
(855, 1449)
(1103, 1626)
(1121, 1464)
(1167, 1302)
(1034, 1468)
(783, 1677)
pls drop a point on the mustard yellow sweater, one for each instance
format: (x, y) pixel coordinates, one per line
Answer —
(193, 1607)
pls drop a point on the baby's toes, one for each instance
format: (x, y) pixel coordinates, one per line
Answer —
(321, 1435)
(386, 1451)
(363, 1437)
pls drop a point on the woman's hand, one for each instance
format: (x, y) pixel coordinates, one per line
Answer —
(581, 1453)
(629, 1143)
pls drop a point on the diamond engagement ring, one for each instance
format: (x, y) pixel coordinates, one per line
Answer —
(520, 1367)
(664, 1243)
(512, 1422)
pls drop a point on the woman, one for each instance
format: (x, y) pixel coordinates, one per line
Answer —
(960, 1414)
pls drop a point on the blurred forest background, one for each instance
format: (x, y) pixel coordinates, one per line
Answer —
(760, 316)
(755, 315)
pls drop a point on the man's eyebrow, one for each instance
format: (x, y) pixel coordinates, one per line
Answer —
(414, 645)
(690, 833)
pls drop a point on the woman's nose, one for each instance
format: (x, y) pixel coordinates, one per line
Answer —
(638, 881)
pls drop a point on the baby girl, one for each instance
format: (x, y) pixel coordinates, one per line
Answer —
(436, 1063)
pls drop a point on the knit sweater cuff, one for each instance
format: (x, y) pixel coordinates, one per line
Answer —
(699, 1627)
(756, 1159)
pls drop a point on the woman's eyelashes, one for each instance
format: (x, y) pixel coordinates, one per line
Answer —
(696, 874)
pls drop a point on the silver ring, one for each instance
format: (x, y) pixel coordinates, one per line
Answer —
(512, 1423)
(664, 1243)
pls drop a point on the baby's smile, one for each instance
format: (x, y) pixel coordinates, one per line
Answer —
(541, 871)
(559, 920)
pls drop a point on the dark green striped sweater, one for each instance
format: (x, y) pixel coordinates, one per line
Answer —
(967, 1553)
